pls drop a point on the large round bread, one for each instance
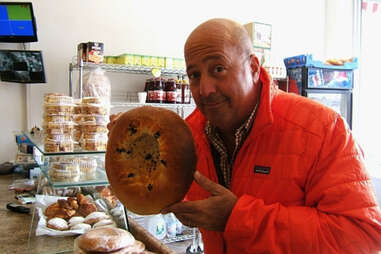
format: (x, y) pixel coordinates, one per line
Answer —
(105, 240)
(150, 159)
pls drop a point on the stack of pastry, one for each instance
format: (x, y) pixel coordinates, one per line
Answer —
(95, 116)
(77, 119)
(57, 124)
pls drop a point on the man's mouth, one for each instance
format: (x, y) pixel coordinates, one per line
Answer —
(214, 104)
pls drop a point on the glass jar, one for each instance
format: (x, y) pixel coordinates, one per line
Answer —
(170, 91)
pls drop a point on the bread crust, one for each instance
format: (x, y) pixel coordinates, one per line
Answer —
(150, 159)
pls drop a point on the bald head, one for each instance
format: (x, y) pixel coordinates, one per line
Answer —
(224, 32)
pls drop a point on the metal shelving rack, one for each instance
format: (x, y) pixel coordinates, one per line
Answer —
(114, 68)
(120, 68)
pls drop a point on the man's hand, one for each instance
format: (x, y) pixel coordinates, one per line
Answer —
(211, 213)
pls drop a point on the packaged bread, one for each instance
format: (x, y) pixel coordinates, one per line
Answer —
(98, 119)
(66, 145)
(56, 118)
(92, 100)
(97, 84)
(58, 109)
(77, 106)
(95, 109)
(57, 98)
(49, 137)
(90, 127)
(94, 144)
(77, 135)
(62, 129)
(77, 118)
(64, 172)
(95, 135)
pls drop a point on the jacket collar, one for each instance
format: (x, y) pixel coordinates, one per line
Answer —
(264, 117)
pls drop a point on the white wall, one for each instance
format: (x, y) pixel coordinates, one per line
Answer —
(152, 28)
(12, 112)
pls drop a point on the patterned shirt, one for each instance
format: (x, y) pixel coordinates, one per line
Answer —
(220, 153)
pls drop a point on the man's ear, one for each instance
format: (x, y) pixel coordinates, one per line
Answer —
(255, 67)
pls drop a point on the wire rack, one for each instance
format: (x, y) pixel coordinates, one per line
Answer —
(129, 68)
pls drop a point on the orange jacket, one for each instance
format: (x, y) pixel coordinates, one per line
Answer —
(300, 181)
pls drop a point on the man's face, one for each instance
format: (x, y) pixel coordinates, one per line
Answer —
(221, 82)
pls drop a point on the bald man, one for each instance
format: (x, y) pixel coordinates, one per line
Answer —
(276, 172)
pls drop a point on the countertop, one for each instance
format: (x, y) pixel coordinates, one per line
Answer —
(15, 227)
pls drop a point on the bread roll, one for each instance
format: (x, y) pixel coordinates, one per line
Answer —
(150, 159)
(58, 224)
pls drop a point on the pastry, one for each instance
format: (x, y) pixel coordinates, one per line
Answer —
(57, 224)
(94, 217)
(103, 222)
(150, 159)
(81, 226)
(76, 220)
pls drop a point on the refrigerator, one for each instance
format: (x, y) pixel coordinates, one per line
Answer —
(329, 85)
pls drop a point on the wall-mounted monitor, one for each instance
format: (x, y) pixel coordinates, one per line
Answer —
(17, 22)
(22, 66)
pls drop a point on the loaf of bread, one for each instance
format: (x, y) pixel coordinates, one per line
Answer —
(150, 159)
(105, 239)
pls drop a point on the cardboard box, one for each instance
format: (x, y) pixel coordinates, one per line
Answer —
(260, 34)
(94, 52)
(90, 52)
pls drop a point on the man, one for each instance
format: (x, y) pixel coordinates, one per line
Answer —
(276, 172)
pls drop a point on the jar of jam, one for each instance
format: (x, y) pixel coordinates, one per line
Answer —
(185, 92)
(179, 91)
(158, 92)
(147, 83)
(150, 86)
(170, 91)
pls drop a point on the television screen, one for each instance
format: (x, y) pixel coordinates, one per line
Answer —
(22, 66)
(17, 22)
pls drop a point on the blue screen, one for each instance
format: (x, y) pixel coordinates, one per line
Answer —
(16, 20)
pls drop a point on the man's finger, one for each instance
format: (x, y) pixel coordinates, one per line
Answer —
(208, 185)
(181, 207)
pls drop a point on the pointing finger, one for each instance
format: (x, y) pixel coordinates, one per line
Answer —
(208, 185)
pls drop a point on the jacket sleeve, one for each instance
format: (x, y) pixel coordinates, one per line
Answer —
(340, 213)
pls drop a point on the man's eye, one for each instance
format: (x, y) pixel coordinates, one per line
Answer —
(219, 68)
(193, 75)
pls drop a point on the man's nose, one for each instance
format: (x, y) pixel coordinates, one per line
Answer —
(207, 85)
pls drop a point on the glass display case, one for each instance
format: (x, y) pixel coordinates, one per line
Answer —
(69, 176)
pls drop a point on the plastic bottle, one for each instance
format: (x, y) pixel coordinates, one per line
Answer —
(156, 226)
(170, 221)
(170, 91)
(179, 91)
(185, 91)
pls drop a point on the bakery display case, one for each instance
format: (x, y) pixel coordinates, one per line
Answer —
(72, 190)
